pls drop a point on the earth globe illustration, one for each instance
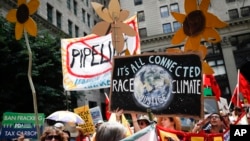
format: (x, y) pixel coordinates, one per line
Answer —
(153, 87)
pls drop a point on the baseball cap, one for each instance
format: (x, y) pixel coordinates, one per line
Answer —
(143, 117)
(59, 126)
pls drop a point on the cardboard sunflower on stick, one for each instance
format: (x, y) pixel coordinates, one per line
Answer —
(25, 24)
(198, 24)
(113, 17)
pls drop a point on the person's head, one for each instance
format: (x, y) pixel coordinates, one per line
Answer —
(59, 126)
(169, 122)
(110, 131)
(248, 118)
(99, 122)
(66, 134)
(52, 134)
(237, 111)
(216, 119)
(143, 121)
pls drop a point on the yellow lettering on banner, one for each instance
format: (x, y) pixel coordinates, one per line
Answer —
(84, 113)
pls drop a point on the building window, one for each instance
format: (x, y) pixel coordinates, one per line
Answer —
(230, 1)
(174, 7)
(233, 14)
(70, 27)
(176, 25)
(87, 3)
(75, 7)
(50, 13)
(58, 19)
(92, 104)
(141, 16)
(164, 11)
(167, 28)
(83, 15)
(143, 32)
(68, 4)
(76, 31)
(138, 2)
(245, 11)
(88, 16)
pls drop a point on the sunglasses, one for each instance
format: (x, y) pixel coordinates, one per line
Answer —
(50, 137)
(141, 123)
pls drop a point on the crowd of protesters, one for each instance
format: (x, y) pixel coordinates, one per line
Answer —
(115, 130)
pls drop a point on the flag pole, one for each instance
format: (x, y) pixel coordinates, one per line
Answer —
(238, 87)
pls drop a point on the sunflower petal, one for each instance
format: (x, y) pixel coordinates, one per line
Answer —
(173, 50)
(102, 12)
(33, 6)
(102, 28)
(206, 69)
(11, 16)
(211, 35)
(19, 31)
(31, 27)
(123, 15)
(192, 44)
(204, 5)
(128, 30)
(203, 50)
(214, 21)
(179, 17)
(19, 2)
(114, 9)
(178, 37)
(190, 5)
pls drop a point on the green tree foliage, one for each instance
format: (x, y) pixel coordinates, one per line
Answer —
(15, 91)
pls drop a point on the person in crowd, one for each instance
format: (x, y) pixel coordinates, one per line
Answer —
(110, 131)
(248, 118)
(141, 122)
(226, 120)
(51, 133)
(66, 134)
(81, 135)
(59, 126)
(99, 122)
(214, 124)
(173, 123)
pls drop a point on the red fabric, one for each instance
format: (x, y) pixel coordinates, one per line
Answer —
(214, 86)
(207, 82)
(244, 87)
(108, 114)
(234, 98)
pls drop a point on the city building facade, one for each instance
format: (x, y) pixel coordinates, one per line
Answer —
(75, 18)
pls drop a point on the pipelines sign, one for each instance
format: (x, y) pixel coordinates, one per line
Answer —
(165, 84)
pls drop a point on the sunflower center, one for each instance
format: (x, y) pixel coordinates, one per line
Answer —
(22, 13)
(194, 23)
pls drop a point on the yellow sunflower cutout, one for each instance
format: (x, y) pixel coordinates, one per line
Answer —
(21, 16)
(198, 24)
(113, 22)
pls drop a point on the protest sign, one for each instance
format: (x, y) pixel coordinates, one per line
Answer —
(14, 124)
(96, 114)
(164, 83)
(84, 112)
(87, 61)
(211, 105)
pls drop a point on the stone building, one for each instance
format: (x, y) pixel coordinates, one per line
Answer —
(75, 18)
